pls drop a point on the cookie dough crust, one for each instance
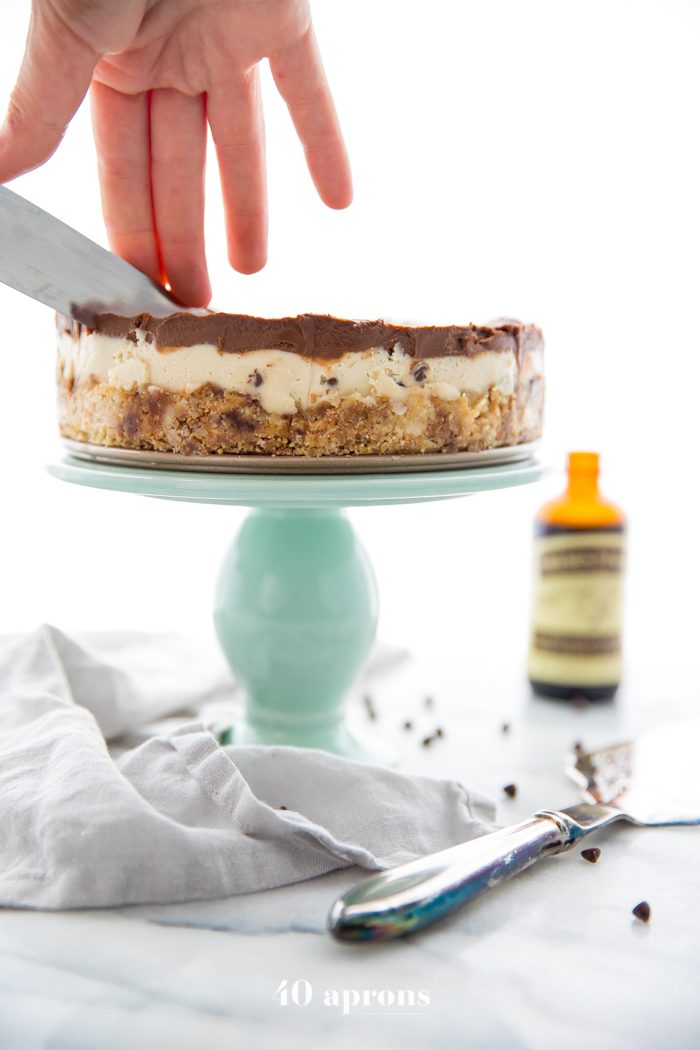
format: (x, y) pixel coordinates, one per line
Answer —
(212, 421)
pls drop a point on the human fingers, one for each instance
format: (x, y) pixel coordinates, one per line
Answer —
(52, 82)
(121, 129)
(178, 155)
(301, 80)
(234, 111)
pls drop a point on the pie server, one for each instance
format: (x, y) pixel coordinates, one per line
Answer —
(47, 260)
(652, 781)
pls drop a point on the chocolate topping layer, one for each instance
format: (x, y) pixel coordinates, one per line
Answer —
(313, 335)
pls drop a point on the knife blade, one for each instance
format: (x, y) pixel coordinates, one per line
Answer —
(54, 264)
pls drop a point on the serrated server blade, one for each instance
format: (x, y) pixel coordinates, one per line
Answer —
(654, 779)
(47, 260)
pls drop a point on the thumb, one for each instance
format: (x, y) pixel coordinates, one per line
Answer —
(54, 76)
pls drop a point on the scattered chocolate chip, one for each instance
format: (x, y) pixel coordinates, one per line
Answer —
(439, 731)
(408, 726)
(282, 807)
(420, 372)
(329, 381)
(256, 378)
(427, 741)
(510, 790)
(591, 855)
(429, 702)
(371, 710)
(578, 748)
(642, 911)
(505, 728)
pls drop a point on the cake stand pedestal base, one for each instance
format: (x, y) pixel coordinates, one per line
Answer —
(296, 614)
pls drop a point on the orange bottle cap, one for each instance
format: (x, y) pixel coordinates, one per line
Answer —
(584, 463)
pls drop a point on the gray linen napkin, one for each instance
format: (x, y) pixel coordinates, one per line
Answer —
(180, 817)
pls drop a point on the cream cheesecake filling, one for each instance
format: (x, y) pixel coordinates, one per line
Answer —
(284, 382)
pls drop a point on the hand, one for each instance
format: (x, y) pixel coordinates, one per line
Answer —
(160, 70)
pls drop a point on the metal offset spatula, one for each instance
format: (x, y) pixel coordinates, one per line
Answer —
(654, 780)
(56, 265)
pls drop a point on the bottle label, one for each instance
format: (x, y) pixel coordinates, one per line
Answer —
(577, 615)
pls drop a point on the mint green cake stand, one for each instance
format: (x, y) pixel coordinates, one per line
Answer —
(296, 601)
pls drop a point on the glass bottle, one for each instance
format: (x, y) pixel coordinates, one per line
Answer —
(576, 635)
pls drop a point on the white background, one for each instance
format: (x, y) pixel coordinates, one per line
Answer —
(533, 159)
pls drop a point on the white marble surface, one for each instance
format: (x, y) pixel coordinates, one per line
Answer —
(553, 958)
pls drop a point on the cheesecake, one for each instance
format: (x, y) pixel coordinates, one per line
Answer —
(216, 383)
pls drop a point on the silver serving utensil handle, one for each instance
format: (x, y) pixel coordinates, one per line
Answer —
(417, 894)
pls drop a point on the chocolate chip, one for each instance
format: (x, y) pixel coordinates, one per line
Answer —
(505, 728)
(642, 911)
(129, 424)
(420, 372)
(256, 378)
(408, 726)
(371, 710)
(237, 420)
(282, 807)
(510, 790)
(427, 741)
(331, 381)
(591, 855)
(578, 748)
(439, 731)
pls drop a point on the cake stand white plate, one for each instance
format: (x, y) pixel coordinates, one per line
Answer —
(244, 464)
